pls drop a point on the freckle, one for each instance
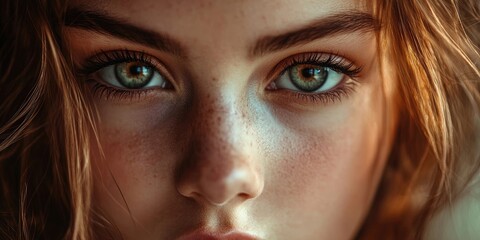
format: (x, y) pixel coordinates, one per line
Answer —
(214, 79)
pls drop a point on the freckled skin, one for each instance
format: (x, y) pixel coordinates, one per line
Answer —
(221, 152)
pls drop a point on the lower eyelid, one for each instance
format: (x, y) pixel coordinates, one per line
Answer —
(111, 93)
(344, 90)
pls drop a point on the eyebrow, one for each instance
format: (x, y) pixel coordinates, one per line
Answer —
(102, 23)
(340, 23)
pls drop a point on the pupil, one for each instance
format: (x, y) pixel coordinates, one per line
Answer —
(308, 72)
(137, 70)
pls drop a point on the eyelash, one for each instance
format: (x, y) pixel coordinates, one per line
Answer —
(329, 60)
(333, 61)
(104, 58)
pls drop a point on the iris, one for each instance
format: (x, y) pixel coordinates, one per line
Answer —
(133, 75)
(308, 77)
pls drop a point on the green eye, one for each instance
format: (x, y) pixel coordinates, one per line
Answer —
(308, 77)
(133, 75)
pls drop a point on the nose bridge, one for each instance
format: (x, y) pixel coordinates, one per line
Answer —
(219, 126)
(221, 164)
(216, 148)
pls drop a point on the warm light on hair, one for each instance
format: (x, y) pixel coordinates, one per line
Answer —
(46, 122)
(435, 154)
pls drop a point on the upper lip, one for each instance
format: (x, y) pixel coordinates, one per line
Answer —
(202, 234)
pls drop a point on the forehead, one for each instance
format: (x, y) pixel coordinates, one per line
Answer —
(232, 20)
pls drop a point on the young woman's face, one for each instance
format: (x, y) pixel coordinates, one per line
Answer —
(234, 119)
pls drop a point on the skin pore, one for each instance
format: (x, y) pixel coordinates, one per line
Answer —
(221, 140)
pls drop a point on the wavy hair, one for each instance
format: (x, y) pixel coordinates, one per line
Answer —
(433, 46)
(46, 122)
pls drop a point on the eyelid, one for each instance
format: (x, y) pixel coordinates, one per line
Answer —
(104, 58)
(315, 58)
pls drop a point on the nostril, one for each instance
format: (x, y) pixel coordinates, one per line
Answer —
(245, 196)
(218, 192)
(216, 172)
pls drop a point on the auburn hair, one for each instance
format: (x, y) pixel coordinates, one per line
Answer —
(47, 122)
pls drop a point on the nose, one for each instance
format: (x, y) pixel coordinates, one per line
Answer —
(222, 165)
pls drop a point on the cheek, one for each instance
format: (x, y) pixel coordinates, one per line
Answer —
(326, 166)
(137, 175)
